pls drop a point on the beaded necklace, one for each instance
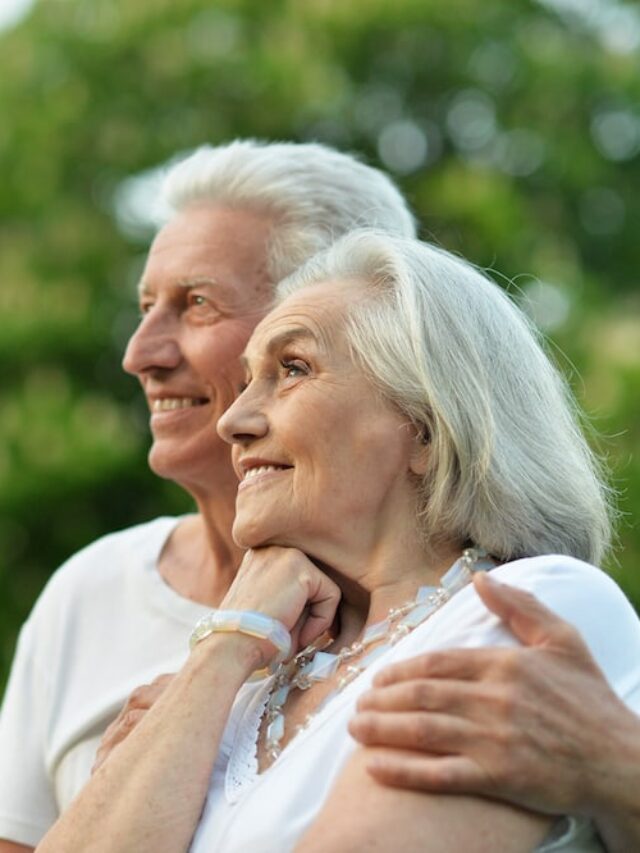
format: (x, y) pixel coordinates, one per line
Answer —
(314, 664)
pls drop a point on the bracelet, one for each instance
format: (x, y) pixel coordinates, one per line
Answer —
(248, 622)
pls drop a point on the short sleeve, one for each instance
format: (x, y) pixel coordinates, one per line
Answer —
(27, 803)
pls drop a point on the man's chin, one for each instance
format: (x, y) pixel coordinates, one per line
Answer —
(173, 466)
(201, 466)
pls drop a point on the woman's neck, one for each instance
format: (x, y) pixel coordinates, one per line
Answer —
(368, 598)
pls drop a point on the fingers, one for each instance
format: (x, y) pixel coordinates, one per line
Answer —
(423, 695)
(120, 729)
(434, 733)
(146, 695)
(451, 774)
(457, 664)
(323, 598)
(531, 622)
(285, 584)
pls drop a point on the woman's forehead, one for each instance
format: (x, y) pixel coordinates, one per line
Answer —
(316, 313)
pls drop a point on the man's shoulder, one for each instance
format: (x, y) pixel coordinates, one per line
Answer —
(107, 559)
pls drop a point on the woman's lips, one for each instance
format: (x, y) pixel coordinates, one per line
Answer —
(259, 473)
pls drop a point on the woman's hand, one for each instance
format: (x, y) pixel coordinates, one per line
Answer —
(285, 584)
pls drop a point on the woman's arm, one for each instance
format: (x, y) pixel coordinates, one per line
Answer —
(395, 819)
(149, 793)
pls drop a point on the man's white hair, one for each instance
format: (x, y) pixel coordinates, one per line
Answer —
(313, 193)
(509, 468)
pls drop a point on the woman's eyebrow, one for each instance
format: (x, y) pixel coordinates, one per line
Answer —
(283, 339)
(288, 336)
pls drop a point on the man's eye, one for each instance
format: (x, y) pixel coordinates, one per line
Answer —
(197, 299)
(145, 307)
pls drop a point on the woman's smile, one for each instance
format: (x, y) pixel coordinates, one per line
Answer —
(256, 473)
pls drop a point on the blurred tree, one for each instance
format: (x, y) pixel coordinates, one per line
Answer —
(514, 129)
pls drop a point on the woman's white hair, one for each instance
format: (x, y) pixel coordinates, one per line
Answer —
(509, 468)
(313, 194)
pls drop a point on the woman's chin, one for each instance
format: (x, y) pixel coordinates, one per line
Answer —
(250, 535)
(253, 536)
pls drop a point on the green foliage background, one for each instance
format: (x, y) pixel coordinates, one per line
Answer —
(512, 126)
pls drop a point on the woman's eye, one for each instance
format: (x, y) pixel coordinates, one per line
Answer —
(294, 368)
(145, 307)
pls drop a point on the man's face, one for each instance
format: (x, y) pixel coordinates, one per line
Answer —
(203, 289)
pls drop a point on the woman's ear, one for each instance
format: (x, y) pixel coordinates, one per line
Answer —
(421, 451)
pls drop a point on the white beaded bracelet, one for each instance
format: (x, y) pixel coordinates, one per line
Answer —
(244, 622)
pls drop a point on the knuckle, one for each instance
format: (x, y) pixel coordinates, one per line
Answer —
(368, 726)
(163, 680)
(509, 663)
(131, 719)
(566, 635)
(506, 703)
(422, 694)
(138, 697)
(431, 663)
(420, 732)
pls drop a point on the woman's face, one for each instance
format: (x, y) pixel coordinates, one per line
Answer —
(322, 458)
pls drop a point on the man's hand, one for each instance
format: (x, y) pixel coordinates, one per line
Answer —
(280, 582)
(537, 726)
(135, 708)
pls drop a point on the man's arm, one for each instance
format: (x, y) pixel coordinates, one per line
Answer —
(12, 847)
(536, 726)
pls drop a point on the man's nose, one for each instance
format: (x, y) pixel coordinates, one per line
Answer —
(153, 346)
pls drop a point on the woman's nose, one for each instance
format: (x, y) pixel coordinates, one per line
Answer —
(245, 420)
(153, 346)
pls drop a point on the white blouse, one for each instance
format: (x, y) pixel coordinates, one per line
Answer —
(269, 812)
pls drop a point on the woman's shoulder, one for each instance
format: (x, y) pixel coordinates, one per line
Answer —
(577, 591)
(581, 594)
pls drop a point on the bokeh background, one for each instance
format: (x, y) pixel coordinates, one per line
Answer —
(512, 126)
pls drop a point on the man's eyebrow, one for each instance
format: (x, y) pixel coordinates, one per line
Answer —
(144, 288)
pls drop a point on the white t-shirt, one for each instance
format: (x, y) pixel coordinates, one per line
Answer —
(105, 624)
(271, 811)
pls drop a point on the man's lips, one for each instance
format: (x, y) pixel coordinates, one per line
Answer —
(171, 404)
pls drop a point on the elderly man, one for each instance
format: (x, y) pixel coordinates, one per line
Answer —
(245, 215)
(120, 612)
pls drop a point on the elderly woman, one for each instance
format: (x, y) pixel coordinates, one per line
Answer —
(399, 428)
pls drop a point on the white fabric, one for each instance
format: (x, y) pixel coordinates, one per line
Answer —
(105, 624)
(269, 812)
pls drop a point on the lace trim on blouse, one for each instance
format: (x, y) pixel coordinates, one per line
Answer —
(242, 769)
